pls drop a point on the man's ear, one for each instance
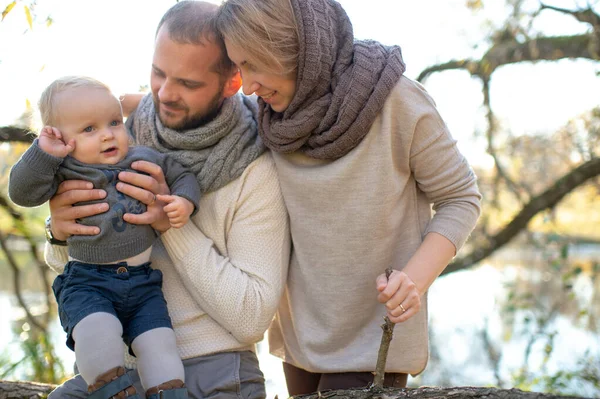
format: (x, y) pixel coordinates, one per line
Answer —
(233, 84)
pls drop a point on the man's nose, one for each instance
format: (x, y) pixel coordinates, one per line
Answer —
(167, 92)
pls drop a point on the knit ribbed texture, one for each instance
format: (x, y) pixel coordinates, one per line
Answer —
(216, 152)
(341, 85)
(224, 271)
(351, 219)
(31, 185)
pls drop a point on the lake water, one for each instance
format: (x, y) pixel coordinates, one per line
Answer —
(477, 339)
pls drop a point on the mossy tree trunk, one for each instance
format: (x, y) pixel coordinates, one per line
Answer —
(33, 390)
(24, 390)
(433, 393)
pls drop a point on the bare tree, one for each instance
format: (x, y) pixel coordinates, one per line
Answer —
(511, 45)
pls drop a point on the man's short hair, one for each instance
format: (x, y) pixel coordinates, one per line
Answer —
(193, 22)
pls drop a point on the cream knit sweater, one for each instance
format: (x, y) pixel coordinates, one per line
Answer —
(224, 271)
(352, 218)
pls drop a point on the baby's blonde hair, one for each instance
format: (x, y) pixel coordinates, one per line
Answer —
(267, 27)
(48, 112)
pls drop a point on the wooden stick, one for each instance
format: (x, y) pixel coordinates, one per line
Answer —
(386, 338)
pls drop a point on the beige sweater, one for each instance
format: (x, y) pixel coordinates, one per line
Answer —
(354, 217)
(224, 271)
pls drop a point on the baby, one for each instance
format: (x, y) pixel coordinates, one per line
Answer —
(108, 293)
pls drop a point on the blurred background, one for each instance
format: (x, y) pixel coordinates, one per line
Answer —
(517, 81)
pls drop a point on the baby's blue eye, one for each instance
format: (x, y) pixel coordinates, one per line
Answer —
(115, 123)
(88, 129)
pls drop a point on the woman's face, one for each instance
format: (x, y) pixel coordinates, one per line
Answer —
(276, 90)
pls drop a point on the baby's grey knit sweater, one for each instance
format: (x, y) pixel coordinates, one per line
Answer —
(34, 179)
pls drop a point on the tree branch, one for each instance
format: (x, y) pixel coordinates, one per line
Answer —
(512, 52)
(587, 15)
(16, 134)
(17, 283)
(19, 222)
(43, 269)
(548, 199)
(490, 135)
(469, 65)
(384, 347)
(493, 353)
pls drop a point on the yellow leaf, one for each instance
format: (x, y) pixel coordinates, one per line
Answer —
(28, 16)
(27, 104)
(7, 9)
(475, 5)
(49, 22)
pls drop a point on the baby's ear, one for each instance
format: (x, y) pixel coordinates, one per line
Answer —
(233, 84)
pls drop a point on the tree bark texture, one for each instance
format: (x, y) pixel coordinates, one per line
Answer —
(384, 347)
(432, 393)
(512, 52)
(24, 390)
(34, 390)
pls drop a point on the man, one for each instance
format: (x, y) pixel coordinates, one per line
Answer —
(223, 273)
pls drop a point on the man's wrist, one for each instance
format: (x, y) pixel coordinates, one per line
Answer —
(50, 237)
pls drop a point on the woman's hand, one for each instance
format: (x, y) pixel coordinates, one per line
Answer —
(144, 188)
(400, 295)
(64, 214)
(403, 292)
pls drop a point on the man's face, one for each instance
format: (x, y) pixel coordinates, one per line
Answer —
(186, 86)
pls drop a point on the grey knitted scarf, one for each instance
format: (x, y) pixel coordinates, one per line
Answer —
(217, 152)
(341, 85)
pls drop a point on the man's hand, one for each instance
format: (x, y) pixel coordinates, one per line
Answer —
(64, 214)
(144, 188)
(130, 102)
(51, 142)
(178, 209)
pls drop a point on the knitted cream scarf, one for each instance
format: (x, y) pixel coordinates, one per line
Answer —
(341, 85)
(217, 152)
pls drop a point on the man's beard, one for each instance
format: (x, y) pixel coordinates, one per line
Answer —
(192, 121)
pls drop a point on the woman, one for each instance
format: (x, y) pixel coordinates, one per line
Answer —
(361, 153)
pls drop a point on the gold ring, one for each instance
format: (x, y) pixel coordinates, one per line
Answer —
(153, 200)
(402, 307)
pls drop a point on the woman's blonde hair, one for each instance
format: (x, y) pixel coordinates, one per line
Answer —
(268, 28)
(48, 112)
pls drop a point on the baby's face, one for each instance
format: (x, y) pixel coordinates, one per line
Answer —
(94, 119)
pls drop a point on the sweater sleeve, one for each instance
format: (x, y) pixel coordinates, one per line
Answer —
(32, 179)
(241, 290)
(444, 175)
(181, 181)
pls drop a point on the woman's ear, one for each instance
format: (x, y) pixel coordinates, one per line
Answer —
(233, 84)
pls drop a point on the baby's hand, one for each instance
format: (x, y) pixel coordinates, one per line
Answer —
(51, 142)
(178, 209)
